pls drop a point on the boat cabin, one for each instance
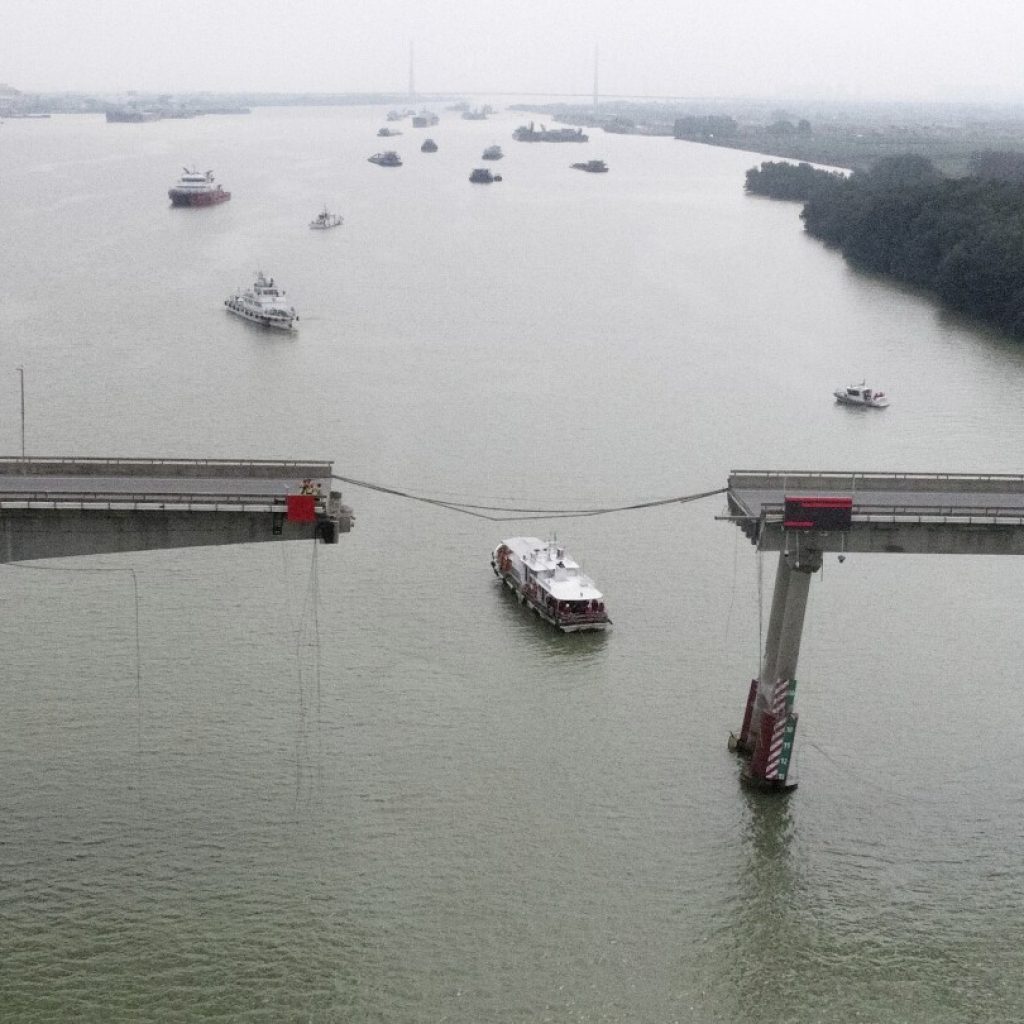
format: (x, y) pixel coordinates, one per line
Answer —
(861, 394)
(544, 575)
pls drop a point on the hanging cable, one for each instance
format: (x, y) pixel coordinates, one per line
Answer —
(874, 782)
(135, 593)
(732, 595)
(309, 788)
(760, 603)
(317, 664)
(481, 511)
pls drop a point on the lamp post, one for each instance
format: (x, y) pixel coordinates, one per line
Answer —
(21, 374)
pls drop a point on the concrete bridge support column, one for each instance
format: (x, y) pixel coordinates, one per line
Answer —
(769, 721)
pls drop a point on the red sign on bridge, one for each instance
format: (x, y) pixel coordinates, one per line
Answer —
(818, 513)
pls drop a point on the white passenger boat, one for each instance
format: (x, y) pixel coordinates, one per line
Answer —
(197, 188)
(263, 303)
(543, 576)
(860, 394)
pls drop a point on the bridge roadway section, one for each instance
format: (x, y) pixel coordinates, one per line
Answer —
(889, 513)
(57, 507)
(910, 513)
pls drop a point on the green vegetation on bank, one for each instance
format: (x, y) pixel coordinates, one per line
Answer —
(959, 238)
(789, 181)
(949, 139)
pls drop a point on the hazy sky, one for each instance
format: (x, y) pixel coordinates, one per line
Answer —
(852, 49)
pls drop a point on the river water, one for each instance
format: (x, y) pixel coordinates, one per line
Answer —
(358, 783)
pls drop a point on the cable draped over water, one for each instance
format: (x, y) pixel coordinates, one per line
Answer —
(511, 513)
(130, 570)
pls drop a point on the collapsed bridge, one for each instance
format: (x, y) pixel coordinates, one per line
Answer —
(60, 507)
(804, 515)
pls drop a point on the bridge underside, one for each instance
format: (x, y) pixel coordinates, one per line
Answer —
(26, 534)
(889, 538)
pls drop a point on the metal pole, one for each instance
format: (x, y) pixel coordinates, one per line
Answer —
(21, 373)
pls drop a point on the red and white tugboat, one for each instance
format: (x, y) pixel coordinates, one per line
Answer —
(197, 188)
(543, 576)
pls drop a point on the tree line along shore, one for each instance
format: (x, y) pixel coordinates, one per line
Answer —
(960, 239)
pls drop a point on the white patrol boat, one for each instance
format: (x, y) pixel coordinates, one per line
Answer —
(543, 576)
(263, 303)
(860, 394)
(325, 220)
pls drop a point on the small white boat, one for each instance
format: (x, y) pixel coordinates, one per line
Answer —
(326, 220)
(544, 577)
(860, 394)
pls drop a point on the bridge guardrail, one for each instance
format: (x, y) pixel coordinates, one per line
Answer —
(161, 501)
(852, 482)
(868, 514)
(269, 468)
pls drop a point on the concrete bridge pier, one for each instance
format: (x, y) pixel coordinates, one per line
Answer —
(803, 514)
(769, 720)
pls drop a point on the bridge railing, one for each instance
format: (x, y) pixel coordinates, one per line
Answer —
(167, 501)
(867, 514)
(255, 468)
(851, 483)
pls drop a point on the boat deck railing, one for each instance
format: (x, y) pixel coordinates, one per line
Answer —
(577, 617)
